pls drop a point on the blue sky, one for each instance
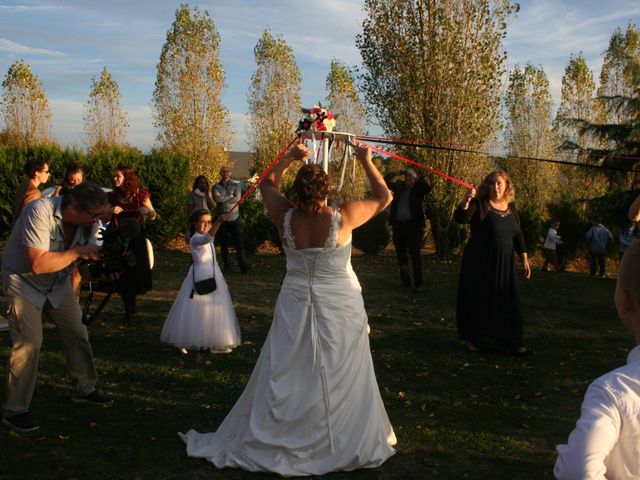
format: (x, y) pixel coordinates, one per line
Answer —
(67, 42)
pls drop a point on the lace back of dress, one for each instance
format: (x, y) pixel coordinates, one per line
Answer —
(332, 238)
(288, 234)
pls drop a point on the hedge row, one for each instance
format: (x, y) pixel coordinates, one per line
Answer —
(163, 174)
(166, 176)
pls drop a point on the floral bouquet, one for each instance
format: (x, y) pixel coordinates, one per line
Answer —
(317, 119)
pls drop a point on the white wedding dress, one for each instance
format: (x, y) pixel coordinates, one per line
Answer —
(312, 404)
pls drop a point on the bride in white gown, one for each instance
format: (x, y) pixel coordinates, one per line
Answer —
(312, 404)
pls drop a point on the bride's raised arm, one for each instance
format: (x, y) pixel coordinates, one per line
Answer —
(277, 205)
(357, 212)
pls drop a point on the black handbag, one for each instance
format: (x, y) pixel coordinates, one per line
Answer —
(208, 285)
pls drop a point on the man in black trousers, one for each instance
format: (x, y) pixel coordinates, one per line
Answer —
(226, 193)
(407, 220)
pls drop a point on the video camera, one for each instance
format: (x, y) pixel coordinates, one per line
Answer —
(115, 259)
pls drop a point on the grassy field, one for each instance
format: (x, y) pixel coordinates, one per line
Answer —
(456, 415)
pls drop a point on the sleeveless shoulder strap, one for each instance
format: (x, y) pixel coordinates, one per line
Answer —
(288, 235)
(332, 238)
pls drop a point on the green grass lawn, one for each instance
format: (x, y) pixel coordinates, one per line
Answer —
(456, 415)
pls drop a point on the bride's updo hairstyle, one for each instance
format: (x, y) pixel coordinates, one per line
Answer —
(311, 184)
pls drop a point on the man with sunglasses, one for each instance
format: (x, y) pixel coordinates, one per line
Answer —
(49, 236)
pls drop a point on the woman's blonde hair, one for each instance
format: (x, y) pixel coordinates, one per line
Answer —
(483, 188)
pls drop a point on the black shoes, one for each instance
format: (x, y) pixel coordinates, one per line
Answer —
(21, 422)
(24, 423)
(95, 398)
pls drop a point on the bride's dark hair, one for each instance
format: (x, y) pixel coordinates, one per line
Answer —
(311, 184)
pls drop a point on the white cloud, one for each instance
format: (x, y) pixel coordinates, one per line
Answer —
(16, 48)
(547, 32)
(32, 8)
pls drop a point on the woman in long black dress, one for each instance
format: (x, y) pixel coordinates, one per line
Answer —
(129, 201)
(488, 307)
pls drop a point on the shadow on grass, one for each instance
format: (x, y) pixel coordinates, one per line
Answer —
(456, 415)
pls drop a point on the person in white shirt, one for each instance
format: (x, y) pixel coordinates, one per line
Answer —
(606, 440)
(551, 242)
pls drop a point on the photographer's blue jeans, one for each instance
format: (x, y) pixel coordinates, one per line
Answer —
(25, 328)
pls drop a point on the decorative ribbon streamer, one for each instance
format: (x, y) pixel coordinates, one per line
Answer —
(432, 170)
(263, 174)
(404, 141)
(435, 146)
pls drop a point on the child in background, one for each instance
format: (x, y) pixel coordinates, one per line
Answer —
(549, 249)
(202, 321)
(605, 442)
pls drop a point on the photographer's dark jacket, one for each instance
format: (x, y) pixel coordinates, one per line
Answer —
(38, 226)
(416, 199)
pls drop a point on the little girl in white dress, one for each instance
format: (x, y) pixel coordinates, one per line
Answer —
(202, 321)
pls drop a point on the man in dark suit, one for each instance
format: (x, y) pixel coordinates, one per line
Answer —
(407, 220)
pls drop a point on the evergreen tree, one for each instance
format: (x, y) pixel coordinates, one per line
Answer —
(577, 106)
(577, 102)
(617, 124)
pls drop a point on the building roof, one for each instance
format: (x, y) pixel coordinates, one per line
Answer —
(241, 164)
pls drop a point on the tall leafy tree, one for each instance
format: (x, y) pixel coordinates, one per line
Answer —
(187, 98)
(274, 99)
(528, 133)
(577, 105)
(618, 77)
(577, 101)
(25, 108)
(618, 122)
(344, 102)
(105, 124)
(433, 73)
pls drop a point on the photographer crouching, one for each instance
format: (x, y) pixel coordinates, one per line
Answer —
(49, 236)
